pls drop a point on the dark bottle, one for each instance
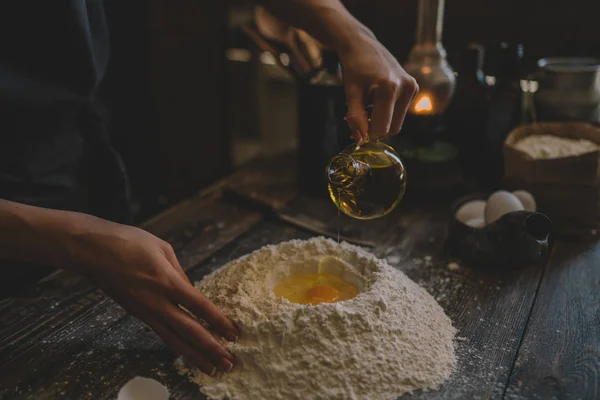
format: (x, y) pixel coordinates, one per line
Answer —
(505, 112)
(468, 112)
(322, 130)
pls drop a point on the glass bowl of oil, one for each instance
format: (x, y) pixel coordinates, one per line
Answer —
(366, 181)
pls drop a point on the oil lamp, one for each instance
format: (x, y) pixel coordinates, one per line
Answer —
(422, 143)
(427, 62)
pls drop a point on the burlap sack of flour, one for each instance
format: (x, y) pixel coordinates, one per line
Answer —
(566, 189)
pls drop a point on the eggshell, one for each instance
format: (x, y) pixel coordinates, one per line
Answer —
(526, 199)
(471, 210)
(476, 222)
(500, 203)
(143, 388)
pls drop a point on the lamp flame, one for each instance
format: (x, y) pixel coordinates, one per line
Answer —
(423, 105)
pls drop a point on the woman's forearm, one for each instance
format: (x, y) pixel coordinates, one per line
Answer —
(327, 20)
(33, 234)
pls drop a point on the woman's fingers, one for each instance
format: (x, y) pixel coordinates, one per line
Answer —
(171, 257)
(408, 90)
(201, 307)
(357, 116)
(196, 335)
(186, 295)
(193, 355)
(384, 97)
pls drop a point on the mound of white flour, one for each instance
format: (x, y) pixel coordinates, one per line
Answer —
(391, 339)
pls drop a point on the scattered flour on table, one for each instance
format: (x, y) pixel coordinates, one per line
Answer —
(393, 338)
(548, 146)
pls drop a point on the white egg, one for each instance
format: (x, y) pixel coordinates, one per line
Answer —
(526, 199)
(500, 203)
(476, 222)
(471, 210)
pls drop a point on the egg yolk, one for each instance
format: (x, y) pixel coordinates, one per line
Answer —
(322, 294)
(315, 288)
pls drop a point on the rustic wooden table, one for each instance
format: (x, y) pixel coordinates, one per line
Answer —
(532, 333)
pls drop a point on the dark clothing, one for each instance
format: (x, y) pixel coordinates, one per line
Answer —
(55, 151)
(54, 147)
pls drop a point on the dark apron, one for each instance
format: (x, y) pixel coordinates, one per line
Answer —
(55, 150)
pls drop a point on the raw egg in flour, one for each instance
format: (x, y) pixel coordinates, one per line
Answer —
(315, 288)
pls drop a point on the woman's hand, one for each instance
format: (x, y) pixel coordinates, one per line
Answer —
(371, 73)
(373, 76)
(134, 267)
(141, 273)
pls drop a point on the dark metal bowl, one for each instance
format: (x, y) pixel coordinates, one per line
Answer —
(515, 240)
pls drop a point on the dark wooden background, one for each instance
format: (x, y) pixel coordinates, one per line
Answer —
(166, 87)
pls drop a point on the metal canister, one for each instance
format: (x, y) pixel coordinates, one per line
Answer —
(569, 89)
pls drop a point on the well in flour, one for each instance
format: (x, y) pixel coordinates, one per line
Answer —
(324, 280)
(389, 339)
